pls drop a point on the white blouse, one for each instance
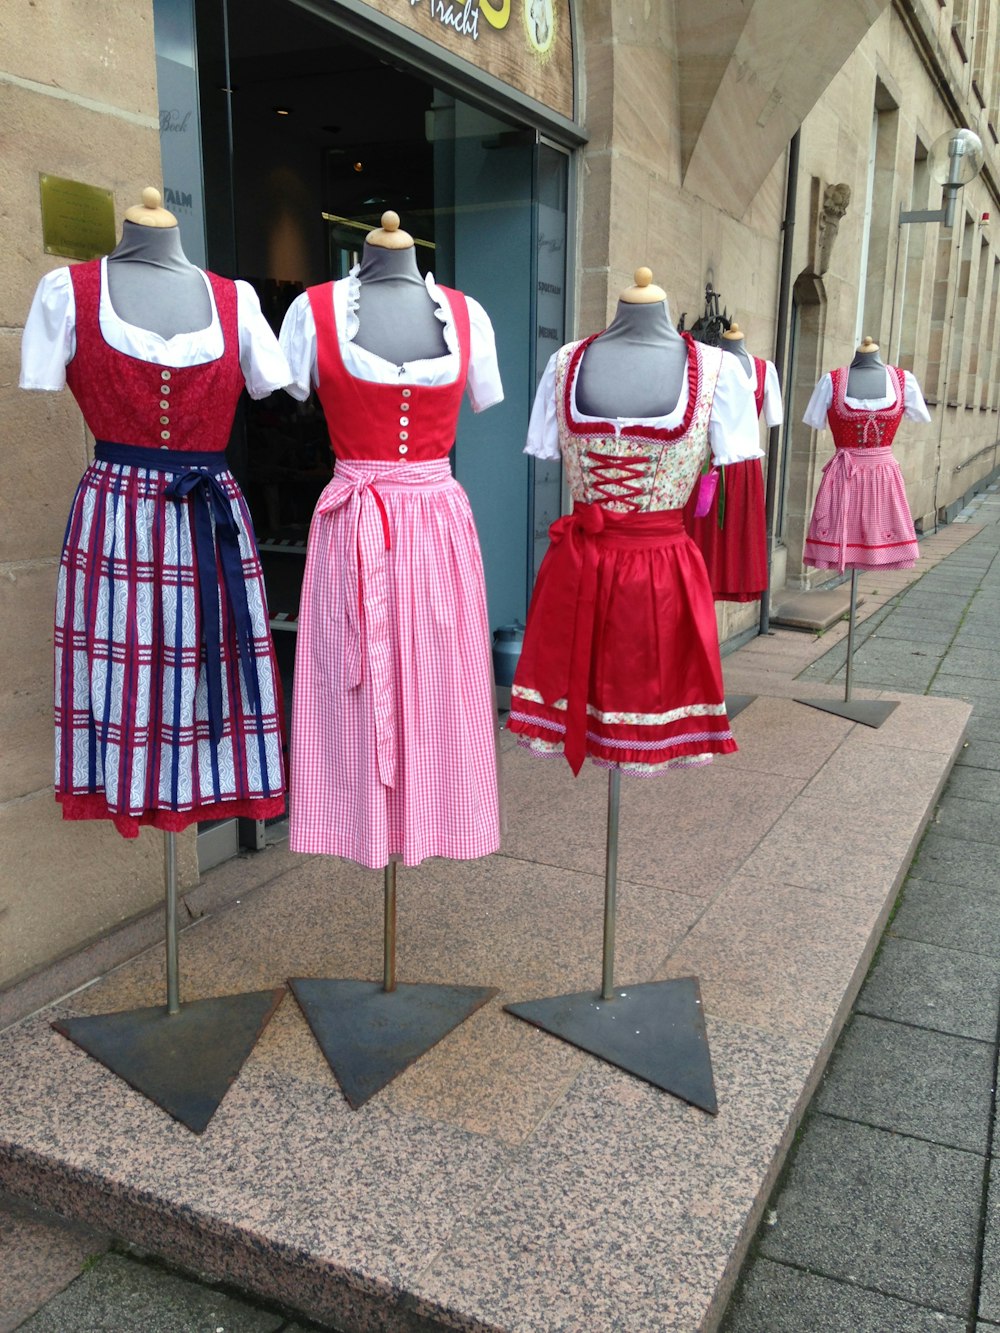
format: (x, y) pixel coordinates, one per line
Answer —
(732, 427)
(914, 406)
(49, 342)
(772, 410)
(298, 342)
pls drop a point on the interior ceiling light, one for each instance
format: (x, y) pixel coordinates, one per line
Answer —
(282, 111)
(359, 166)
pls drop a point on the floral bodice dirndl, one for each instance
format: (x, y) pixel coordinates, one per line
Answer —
(861, 518)
(394, 726)
(731, 531)
(620, 661)
(167, 697)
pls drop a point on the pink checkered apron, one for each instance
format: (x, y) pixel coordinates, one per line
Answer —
(393, 716)
(861, 518)
(167, 698)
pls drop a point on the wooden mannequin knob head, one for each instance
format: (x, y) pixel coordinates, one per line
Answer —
(868, 344)
(733, 332)
(645, 290)
(390, 235)
(150, 213)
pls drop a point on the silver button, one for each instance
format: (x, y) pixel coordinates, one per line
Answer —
(404, 434)
(164, 446)
(164, 421)
(164, 435)
(404, 421)
(406, 393)
(164, 374)
(404, 448)
(164, 403)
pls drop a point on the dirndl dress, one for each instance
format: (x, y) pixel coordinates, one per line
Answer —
(167, 698)
(620, 661)
(394, 724)
(732, 533)
(861, 518)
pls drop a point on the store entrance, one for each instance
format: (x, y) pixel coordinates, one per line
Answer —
(307, 138)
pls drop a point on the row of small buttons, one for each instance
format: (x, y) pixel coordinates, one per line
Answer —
(164, 405)
(404, 420)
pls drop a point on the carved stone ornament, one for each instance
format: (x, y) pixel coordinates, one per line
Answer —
(836, 199)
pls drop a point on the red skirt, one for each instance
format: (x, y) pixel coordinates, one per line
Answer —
(735, 554)
(620, 661)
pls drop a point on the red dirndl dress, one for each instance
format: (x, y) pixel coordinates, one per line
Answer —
(394, 720)
(167, 695)
(732, 534)
(620, 661)
(861, 518)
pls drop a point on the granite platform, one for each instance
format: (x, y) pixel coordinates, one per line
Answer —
(507, 1181)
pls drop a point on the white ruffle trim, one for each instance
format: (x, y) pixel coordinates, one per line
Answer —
(442, 309)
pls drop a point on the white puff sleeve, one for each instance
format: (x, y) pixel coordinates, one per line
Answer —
(774, 413)
(49, 341)
(914, 406)
(297, 340)
(543, 428)
(819, 403)
(483, 384)
(261, 359)
(732, 429)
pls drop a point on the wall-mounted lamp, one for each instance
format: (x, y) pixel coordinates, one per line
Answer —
(955, 159)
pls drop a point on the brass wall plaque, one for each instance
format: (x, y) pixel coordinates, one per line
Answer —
(78, 220)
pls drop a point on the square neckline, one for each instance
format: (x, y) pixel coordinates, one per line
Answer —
(105, 302)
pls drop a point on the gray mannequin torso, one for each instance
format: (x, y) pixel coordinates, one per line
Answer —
(153, 285)
(738, 348)
(866, 377)
(636, 367)
(397, 316)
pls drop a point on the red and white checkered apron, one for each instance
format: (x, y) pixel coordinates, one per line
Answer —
(861, 518)
(146, 733)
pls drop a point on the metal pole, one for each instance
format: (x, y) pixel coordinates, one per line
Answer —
(611, 883)
(170, 883)
(850, 634)
(389, 948)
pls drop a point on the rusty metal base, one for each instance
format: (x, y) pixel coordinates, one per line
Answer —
(370, 1035)
(183, 1062)
(869, 712)
(735, 704)
(655, 1031)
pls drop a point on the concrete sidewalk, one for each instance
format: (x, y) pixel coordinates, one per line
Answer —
(508, 1182)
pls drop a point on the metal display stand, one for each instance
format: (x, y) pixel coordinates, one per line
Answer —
(655, 1030)
(370, 1033)
(182, 1057)
(869, 712)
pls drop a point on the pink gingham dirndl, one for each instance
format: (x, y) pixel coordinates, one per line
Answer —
(861, 518)
(393, 715)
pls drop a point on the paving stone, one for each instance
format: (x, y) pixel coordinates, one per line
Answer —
(962, 817)
(980, 754)
(911, 1081)
(928, 630)
(982, 693)
(980, 785)
(989, 1292)
(980, 663)
(41, 1254)
(120, 1294)
(778, 1299)
(950, 916)
(949, 860)
(885, 1211)
(941, 989)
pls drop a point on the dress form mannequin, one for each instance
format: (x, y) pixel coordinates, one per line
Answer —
(636, 367)
(397, 317)
(151, 282)
(734, 342)
(866, 374)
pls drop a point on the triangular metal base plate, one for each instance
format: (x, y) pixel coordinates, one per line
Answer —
(655, 1031)
(869, 712)
(370, 1035)
(184, 1062)
(735, 704)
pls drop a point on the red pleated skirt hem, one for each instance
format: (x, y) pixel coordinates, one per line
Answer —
(95, 806)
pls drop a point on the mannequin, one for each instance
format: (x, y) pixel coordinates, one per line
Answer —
(396, 313)
(390, 355)
(151, 282)
(861, 519)
(610, 648)
(730, 525)
(156, 354)
(636, 367)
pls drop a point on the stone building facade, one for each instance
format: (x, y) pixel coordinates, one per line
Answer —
(681, 121)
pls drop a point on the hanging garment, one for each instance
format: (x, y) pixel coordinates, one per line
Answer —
(167, 698)
(621, 653)
(393, 714)
(861, 518)
(732, 534)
